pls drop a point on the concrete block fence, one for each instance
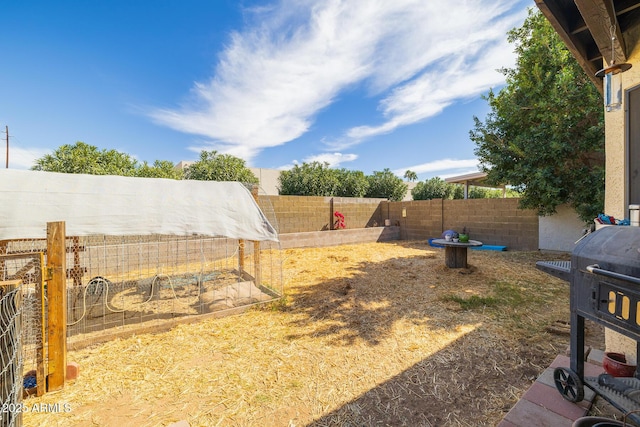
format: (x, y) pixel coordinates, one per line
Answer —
(297, 214)
(492, 221)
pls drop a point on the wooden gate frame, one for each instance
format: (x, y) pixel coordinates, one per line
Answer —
(55, 335)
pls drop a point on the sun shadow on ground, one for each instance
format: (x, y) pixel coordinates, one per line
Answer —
(473, 381)
(445, 364)
(357, 299)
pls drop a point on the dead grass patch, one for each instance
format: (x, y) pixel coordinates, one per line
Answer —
(371, 334)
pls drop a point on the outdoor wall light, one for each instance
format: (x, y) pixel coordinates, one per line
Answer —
(612, 80)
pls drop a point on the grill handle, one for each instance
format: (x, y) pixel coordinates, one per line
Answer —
(595, 269)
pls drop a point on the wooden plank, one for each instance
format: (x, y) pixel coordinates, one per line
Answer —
(600, 17)
(57, 305)
(558, 20)
(241, 255)
(10, 284)
(153, 327)
(256, 264)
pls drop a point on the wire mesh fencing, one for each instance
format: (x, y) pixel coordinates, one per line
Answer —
(116, 284)
(22, 350)
(121, 284)
(127, 281)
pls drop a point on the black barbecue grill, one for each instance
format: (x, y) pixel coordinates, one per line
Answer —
(604, 278)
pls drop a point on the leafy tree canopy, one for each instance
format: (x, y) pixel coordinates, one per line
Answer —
(386, 185)
(88, 159)
(219, 167)
(544, 134)
(351, 183)
(318, 179)
(436, 188)
(484, 193)
(310, 179)
(160, 169)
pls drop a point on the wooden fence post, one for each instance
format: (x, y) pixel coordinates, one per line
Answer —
(241, 256)
(257, 275)
(57, 304)
(331, 227)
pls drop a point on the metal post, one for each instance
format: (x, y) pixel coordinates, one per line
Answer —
(634, 215)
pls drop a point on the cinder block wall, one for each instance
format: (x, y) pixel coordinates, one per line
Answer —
(301, 213)
(492, 221)
(360, 212)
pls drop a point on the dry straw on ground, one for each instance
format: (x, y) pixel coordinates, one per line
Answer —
(371, 334)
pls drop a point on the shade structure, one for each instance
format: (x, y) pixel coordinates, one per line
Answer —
(117, 205)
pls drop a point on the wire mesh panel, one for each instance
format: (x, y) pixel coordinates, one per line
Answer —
(126, 281)
(21, 332)
(11, 345)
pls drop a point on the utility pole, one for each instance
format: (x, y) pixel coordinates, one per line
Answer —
(6, 128)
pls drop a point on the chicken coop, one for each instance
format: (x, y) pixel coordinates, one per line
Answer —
(87, 258)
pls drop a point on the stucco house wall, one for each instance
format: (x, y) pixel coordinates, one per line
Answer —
(559, 232)
(616, 182)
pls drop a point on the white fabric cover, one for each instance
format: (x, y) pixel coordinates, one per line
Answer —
(117, 205)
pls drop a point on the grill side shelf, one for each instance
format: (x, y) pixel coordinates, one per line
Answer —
(559, 269)
(620, 401)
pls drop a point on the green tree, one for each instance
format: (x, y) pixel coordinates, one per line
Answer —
(458, 191)
(437, 188)
(433, 188)
(544, 134)
(484, 193)
(219, 167)
(410, 175)
(351, 183)
(386, 185)
(160, 169)
(88, 159)
(310, 179)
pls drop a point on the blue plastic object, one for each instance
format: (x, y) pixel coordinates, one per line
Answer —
(435, 245)
(29, 382)
(489, 248)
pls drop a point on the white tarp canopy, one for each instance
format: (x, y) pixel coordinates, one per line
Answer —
(117, 205)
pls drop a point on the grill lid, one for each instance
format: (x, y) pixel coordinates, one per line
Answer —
(615, 248)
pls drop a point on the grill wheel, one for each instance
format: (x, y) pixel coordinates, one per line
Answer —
(569, 384)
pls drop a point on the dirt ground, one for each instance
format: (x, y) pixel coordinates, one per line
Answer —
(379, 334)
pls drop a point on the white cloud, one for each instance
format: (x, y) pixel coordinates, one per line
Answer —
(276, 75)
(452, 167)
(333, 159)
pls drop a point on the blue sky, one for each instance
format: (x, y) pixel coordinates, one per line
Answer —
(364, 85)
